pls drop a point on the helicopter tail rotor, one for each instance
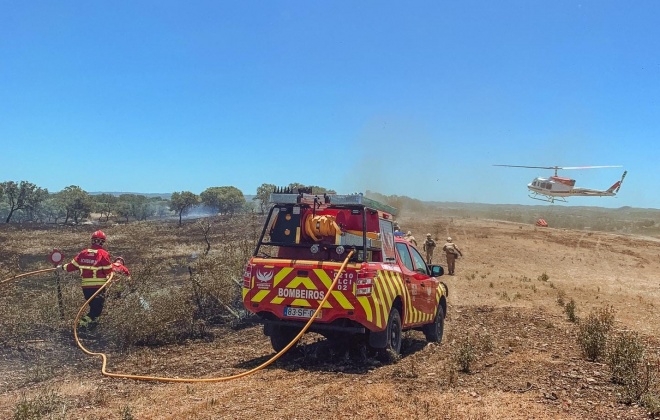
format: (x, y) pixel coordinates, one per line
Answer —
(617, 185)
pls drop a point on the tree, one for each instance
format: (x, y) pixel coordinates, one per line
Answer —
(225, 200)
(295, 186)
(159, 207)
(263, 195)
(77, 203)
(321, 190)
(20, 195)
(104, 204)
(34, 201)
(182, 202)
(134, 205)
(123, 209)
(52, 209)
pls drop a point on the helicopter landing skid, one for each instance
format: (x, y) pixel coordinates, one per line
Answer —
(546, 198)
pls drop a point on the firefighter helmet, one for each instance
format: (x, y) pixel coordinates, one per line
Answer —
(121, 259)
(98, 235)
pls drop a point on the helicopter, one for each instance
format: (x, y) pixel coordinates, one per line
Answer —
(556, 188)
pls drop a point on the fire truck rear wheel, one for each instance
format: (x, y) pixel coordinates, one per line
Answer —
(281, 336)
(393, 346)
(434, 331)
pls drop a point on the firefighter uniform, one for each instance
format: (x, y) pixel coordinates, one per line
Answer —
(122, 271)
(410, 238)
(94, 266)
(429, 247)
(452, 252)
(119, 268)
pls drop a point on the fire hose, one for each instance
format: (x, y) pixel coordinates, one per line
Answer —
(321, 225)
(192, 380)
(31, 273)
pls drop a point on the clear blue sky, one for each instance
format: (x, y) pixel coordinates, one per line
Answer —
(413, 98)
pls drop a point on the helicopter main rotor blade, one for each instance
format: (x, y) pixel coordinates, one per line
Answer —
(562, 167)
(589, 167)
(532, 167)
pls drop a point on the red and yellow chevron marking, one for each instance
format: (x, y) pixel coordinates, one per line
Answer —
(372, 310)
(319, 277)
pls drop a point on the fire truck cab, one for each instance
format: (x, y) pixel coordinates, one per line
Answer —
(386, 287)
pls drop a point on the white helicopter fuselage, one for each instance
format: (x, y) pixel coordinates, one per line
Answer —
(555, 186)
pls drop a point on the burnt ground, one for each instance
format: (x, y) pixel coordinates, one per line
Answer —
(527, 363)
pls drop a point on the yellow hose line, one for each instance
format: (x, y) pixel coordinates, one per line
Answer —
(321, 225)
(31, 273)
(194, 380)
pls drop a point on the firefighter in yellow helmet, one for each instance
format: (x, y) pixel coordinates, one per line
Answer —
(452, 252)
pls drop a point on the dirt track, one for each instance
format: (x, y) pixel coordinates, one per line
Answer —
(528, 366)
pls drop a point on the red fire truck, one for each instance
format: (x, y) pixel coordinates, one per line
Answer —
(386, 287)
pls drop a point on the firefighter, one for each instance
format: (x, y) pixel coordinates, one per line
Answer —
(410, 238)
(452, 252)
(429, 247)
(397, 229)
(119, 267)
(122, 271)
(94, 266)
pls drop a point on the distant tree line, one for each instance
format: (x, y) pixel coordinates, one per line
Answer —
(26, 202)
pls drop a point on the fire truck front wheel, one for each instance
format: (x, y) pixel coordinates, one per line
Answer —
(434, 331)
(281, 336)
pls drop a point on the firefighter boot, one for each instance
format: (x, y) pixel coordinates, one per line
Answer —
(85, 321)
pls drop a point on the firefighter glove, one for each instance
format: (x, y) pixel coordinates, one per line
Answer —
(60, 269)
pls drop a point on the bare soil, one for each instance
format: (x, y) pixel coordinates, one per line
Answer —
(504, 297)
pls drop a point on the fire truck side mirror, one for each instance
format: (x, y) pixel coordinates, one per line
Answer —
(437, 270)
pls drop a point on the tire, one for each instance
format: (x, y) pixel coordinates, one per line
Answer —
(280, 337)
(435, 331)
(393, 345)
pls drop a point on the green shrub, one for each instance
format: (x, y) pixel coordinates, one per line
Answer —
(569, 309)
(126, 413)
(624, 357)
(47, 403)
(651, 402)
(593, 332)
(561, 298)
(465, 354)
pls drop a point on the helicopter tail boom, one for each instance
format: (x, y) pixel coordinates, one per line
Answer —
(617, 185)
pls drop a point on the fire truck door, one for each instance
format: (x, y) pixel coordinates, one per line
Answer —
(428, 283)
(414, 282)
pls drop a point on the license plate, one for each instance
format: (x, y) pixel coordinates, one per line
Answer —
(300, 312)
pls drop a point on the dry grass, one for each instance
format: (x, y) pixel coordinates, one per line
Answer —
(526, 358)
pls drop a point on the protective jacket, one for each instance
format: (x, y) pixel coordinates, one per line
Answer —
(429, 245)
(120, 268)
(94, 266)
(451, 248)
